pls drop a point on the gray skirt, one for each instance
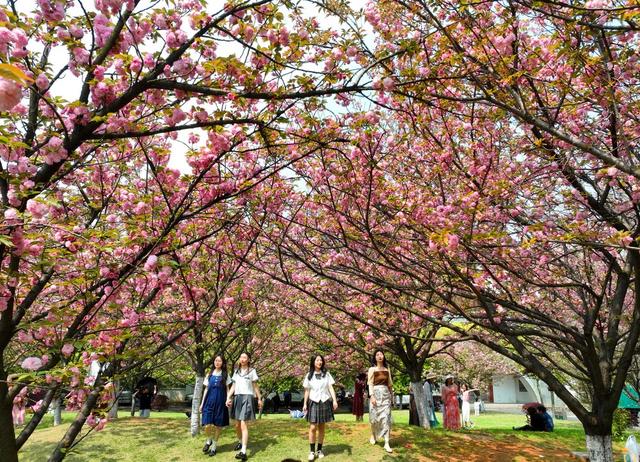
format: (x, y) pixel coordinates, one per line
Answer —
(320, 412)
(243, 408)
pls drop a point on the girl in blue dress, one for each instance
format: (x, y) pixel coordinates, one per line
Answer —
(213, 409)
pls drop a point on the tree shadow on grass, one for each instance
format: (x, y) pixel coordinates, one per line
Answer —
(256, 445)
(148, 432)
(337, 450)
(474, 446)
(93, 451)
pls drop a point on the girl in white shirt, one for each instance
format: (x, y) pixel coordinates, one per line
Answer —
(319, 403)
(244, 386)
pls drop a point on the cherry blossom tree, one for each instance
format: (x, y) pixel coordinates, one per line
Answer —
(536, 109)
(89, 199)
(485, 234)
(299, 251)
(501, 187)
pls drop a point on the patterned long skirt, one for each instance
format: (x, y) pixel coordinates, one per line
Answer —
(380, 414)
(451, 414)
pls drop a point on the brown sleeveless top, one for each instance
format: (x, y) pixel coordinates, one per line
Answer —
(381, 378)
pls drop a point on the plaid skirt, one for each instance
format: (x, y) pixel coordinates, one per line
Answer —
(320, 412)
(242, 408)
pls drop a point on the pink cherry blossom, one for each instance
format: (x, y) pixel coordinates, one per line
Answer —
(76, 31)
(10, 94)
(152, 262)
(36, 208)
(12, 216)
(42, 82)
(31, 363)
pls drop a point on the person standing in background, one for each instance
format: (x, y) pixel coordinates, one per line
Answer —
(450, 411)
(146, 390)
(358, 396)
(428, 397)
(466, 405)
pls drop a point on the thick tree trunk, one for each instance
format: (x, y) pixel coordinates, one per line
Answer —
(195, 405)
(8, 447)
(57, 412)
(599, 448)
(113, 409)
(69, 437)
(419, 398)
(597, 427)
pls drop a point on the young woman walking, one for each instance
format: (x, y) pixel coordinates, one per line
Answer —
(381, 393)
(244, 387)
(213, 410)
(319, 403)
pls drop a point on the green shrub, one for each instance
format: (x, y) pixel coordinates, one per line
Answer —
(621, 421)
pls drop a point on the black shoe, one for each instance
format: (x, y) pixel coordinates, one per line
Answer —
(212, 452)
(241, 456)
(206, 447)
(238, 446)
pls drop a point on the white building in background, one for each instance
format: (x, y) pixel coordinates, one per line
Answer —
(521, 389)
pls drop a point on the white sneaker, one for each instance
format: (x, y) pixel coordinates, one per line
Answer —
(320, 454)
(312, 456)
(388, 448)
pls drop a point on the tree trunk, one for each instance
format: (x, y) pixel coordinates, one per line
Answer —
(597, 427)
(113, 409)
(57, 412)
(60, 452)
(195, 405)
(419, 398)
(8, 447)
(133, 405)
(599, 448)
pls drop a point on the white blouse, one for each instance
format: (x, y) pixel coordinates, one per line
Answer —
(244, 381)
(319, 389)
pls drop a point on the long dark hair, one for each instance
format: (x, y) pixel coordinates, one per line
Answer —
(223, 368)
(237, 369)
(373, 358)
(312, 366)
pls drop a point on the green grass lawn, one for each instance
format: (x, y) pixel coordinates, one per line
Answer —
(165, 437)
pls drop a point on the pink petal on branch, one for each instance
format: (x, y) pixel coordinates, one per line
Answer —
(37, 209)
(31, 363)
(42, 82)
(151, 263)
(388, 83)
(67, 349)
(10, 94)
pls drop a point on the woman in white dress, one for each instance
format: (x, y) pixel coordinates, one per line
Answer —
(466, 405)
